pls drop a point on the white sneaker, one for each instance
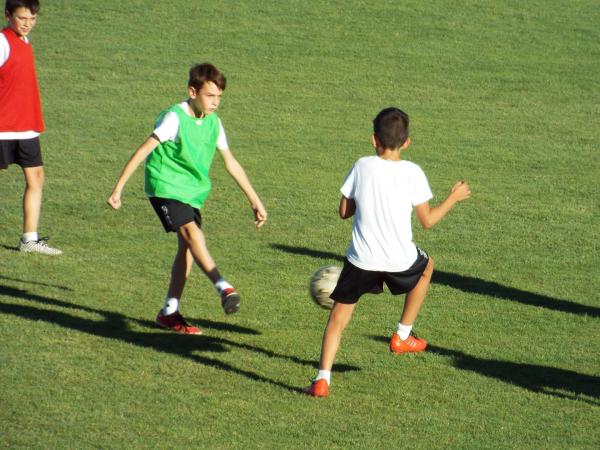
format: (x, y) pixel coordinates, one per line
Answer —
(39, 246)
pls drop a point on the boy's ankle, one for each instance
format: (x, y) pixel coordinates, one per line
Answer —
(221, 285)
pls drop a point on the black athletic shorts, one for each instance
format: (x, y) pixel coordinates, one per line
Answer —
(24, 152)
(354, 282)
(173, 213)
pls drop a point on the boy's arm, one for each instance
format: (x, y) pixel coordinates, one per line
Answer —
(429, 216)
(237, 172)
(347, 207)
(136, 159)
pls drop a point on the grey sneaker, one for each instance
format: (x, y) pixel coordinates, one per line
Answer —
(39, 246)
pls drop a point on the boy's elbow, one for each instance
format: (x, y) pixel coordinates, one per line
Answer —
(426, 223)
(347, 208)
(346, 212)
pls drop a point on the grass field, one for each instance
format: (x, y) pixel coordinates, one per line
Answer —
(504, 94)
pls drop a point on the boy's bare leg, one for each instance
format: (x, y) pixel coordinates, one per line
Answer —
(338, 320)
(416, 297)
(191, 247)
(182, 266)
(193, 238)
(32, 197)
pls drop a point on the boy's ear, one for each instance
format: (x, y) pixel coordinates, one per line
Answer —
(406, 144)
(374, 140)
(192, 92)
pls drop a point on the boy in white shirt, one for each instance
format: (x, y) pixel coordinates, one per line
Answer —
(380, 192)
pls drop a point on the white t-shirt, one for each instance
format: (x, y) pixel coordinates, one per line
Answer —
(10, 135)
(4, 49)
(168, 129)
(385, 193)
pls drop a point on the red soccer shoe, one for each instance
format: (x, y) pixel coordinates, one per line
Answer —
(412, 344)
(318, 388)
(175, 322)
(230, 301)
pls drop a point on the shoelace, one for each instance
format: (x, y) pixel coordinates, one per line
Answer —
(43, 241)
(413, 334)
(181, 320)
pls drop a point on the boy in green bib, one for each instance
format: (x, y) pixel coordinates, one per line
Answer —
(178, 157)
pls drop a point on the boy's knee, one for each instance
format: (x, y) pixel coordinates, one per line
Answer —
(34, 177)
(341, 314)
(189, 232)
(428, 272)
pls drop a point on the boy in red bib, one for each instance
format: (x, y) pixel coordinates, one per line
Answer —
(21, 120)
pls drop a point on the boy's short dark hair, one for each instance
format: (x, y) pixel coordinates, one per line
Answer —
(12, 5)
(391, 127)
(201, 73)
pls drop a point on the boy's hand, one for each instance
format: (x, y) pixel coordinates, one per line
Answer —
(115, 200)
(461, 191)
(260, 215)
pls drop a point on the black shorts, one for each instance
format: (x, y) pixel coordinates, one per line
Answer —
(24, 152)
(173, 213)
(354, 282)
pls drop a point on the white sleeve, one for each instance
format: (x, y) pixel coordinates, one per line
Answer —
(168, 128)
(4, 49)
(349, 185)
(222, 143)
(421, 191)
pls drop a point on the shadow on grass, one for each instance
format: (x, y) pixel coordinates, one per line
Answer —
(37, 283)
(473, 285)
(541, 379)
(11, 248)
(115, 326)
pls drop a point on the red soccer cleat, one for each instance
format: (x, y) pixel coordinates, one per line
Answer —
(175, 322)
(412, 344)
(230, 300)
(318, 388)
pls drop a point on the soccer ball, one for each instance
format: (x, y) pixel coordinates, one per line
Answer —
(322, 283)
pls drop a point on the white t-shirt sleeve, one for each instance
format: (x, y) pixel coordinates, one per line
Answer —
(168, 128)
(421, 192)
(349, 185)
(4, 49)
(222, 143)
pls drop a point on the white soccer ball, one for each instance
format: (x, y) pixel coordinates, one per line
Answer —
(322, 283)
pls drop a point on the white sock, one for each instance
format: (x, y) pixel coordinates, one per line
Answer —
(404, 331)
(324, 375)
(31, 236)
(221, 285)
(171, 306)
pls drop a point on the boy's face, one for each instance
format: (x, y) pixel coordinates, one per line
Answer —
(206, 100)
(21, 21)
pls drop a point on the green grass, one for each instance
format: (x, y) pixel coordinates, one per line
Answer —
(505, 95)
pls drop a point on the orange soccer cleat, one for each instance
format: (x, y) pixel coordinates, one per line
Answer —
(412, 344)
(175, 322)
(318, 388)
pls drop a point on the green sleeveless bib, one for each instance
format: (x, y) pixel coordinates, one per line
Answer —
(179, 170)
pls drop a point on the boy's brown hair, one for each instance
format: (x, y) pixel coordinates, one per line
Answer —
(12, 5)
(391, 127)
(201, 73)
